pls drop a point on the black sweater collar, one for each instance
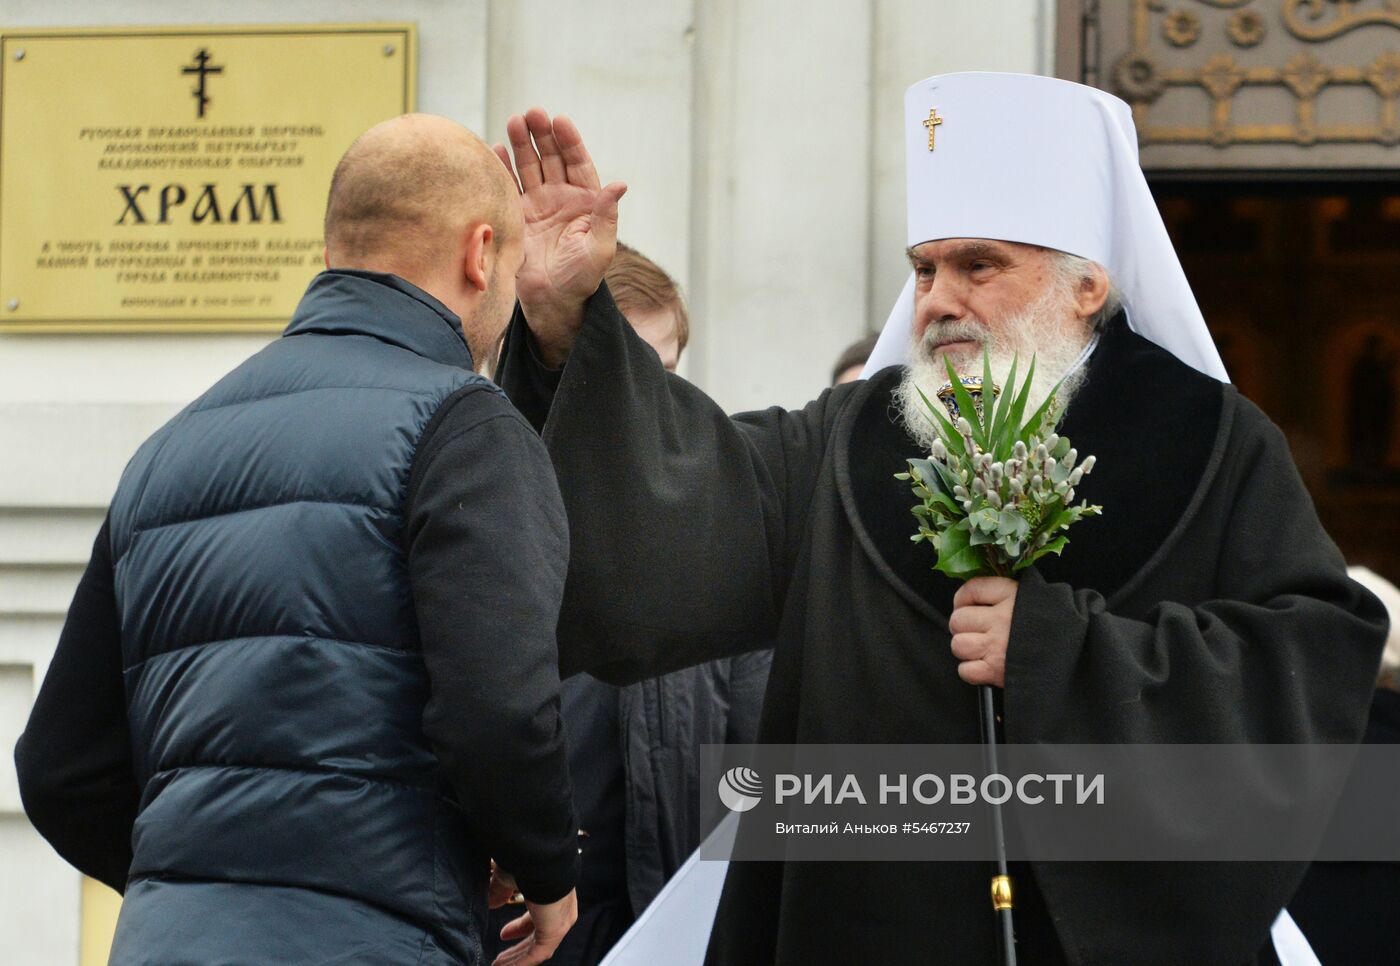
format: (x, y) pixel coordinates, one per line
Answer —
(352, 302)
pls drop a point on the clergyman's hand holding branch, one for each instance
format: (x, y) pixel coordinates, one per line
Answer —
(570, 226)
(981, 629)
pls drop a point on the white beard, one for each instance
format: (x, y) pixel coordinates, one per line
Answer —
(1040, 331)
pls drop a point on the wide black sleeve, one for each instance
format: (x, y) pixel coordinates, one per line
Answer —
(487, 553)
(1284, 652)
(74, 758)
(684, 522)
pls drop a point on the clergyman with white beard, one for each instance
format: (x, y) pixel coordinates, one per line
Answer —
(1173, 618)
(1010, 301)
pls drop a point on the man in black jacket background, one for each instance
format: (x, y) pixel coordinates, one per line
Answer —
(634, 750)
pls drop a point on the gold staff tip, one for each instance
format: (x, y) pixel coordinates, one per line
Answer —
(1001, 892)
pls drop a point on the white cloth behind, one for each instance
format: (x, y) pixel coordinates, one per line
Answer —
(675, 928)
(1290, 943)
(1389, 595)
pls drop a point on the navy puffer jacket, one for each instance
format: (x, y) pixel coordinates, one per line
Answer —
(274, 682)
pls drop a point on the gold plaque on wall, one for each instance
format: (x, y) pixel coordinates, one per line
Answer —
(174, 179)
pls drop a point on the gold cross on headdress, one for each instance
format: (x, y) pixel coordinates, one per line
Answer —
(932, 124)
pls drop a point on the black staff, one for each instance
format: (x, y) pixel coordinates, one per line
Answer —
(1001, 882)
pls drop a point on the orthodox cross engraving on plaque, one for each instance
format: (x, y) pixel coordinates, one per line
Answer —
(932, 123)
(85, 179)
(203, 70)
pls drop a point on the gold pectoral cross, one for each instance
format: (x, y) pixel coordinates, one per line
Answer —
(932, 124)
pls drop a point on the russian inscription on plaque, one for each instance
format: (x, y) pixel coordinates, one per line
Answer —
(175, 179)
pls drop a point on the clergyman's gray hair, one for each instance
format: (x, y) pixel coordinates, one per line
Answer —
(1072, 270)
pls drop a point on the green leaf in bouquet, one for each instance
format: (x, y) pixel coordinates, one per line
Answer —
(956, 556)
(986, 538)
(953, 539)
(966, 406)
(932, 514)
(951, 437)
(1078, 513)
(1054, 546)
(930, 474)
(989, 398)
(987, 519)
(922, 471)
(1002, 441)
(1018, 408)
(1062, 518)
(1012, 524)
(1032, 426)
(932, 481)
(1042, 514)
(940, 500)
(950, 482)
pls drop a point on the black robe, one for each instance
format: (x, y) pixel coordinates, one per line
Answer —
(1207, 605)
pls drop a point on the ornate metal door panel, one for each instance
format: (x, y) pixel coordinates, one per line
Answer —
(1246, 84)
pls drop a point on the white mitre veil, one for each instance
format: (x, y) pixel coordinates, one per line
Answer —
(1047, 162)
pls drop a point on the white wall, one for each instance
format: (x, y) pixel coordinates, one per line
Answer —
(782, 193)
(918, 40)
(799, 197)
(761, 141)
(626, 78)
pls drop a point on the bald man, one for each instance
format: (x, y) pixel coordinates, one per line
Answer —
(307, 688)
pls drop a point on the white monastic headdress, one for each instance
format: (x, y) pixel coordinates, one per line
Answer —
(1021, 158)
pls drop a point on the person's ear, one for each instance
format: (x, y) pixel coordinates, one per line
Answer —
(1091, 293)
(479, 256)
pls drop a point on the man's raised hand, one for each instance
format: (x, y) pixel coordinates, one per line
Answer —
(570, 226)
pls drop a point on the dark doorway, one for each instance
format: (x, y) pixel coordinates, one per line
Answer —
(1300, 284)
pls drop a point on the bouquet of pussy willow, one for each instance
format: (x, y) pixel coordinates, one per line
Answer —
(997, 490)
